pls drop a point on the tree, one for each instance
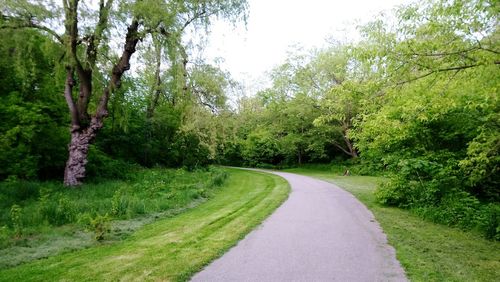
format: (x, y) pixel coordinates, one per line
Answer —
(91, 66)
(339, 109)
(346, 81)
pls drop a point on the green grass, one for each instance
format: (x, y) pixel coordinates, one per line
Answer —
(427, 251)
(170, 249)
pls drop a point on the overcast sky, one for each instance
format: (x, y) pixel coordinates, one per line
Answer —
(275, 25)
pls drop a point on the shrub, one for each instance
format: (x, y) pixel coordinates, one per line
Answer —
(489, 221)
(65, 210)
(119, 203)
(455, 208)
(46, 207)
(135, 207)
(458, 209)
(5, 235)
(15, 217)
(405, 193)
(100, 225)
(151, 191)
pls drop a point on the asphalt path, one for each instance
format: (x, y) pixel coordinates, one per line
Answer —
(320, 233)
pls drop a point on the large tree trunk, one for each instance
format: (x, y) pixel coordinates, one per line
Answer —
(78, 149)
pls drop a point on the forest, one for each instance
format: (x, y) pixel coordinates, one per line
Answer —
(95, 93)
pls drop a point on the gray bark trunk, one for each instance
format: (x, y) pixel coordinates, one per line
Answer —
(78, 149)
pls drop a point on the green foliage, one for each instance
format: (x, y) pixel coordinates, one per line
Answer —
(209, 84)
(436, 127)
(5, 236)
(465, 211)
(29, 108)
(276, 127)
(101, 166)
(219, 179)
(118, 203)
(199, 153)
(36, 60)
(261, 147)
(482, 164)
(489, 221)
(100, 225)
(65, 211)
(416, 98)
(57, 209)
(15, 217)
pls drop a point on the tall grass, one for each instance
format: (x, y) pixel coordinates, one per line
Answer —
(31, 211)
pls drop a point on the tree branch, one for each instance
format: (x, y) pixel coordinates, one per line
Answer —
(68, 90)
(457, 68)
(195, 17)
(95, 38)
(341, 148)
(119, 68)
(17, 23)
(489, 50)
(156, 88)
(441, 54)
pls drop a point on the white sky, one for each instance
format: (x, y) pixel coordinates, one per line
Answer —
(275, 25)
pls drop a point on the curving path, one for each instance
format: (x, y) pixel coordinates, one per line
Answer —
(321, 233)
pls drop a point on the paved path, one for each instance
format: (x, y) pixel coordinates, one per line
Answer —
(321, 233)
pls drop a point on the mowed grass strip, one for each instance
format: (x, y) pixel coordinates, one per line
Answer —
(171, 249)
(427, 251)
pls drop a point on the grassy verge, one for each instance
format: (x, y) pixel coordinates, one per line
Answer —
(174, 248)
(427, 251)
